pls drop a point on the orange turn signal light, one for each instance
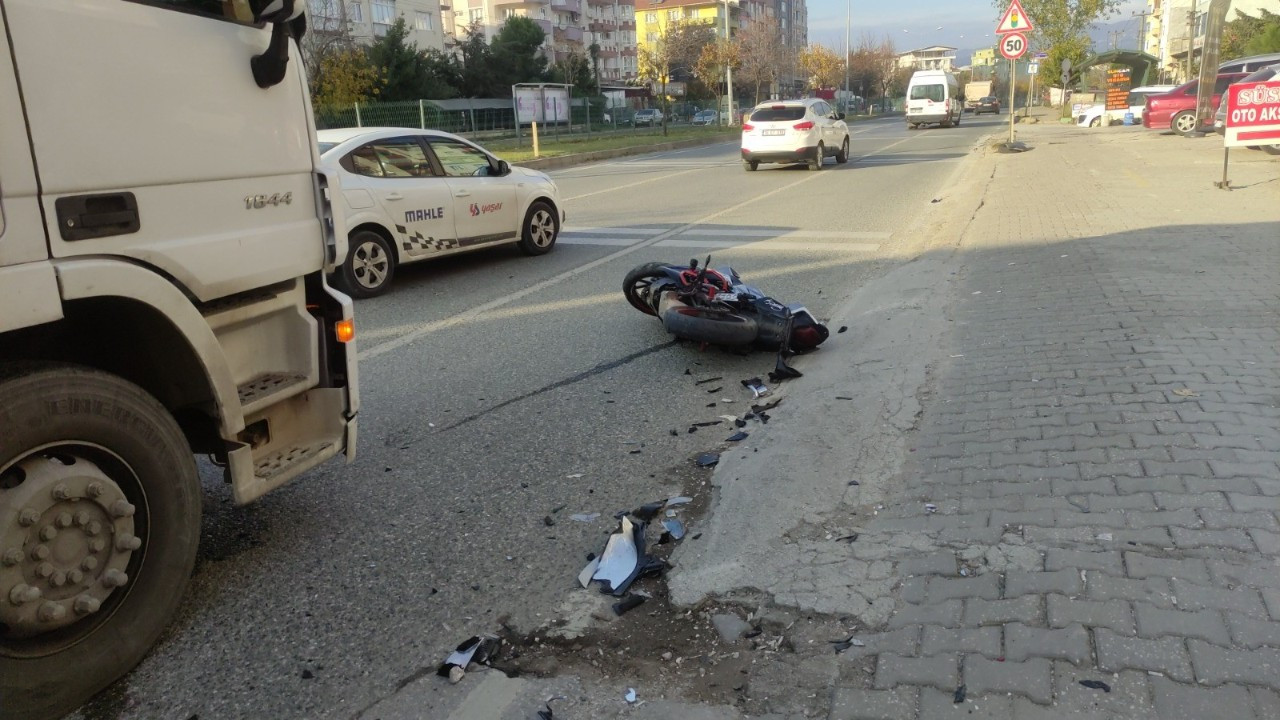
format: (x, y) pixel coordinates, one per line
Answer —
(345, 330)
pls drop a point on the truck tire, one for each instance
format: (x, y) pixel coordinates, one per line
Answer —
(97, 464)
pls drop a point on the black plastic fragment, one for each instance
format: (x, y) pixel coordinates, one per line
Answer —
(708, 423)
(629, 602)
(708, 459)
(842, 329)
(546, 714)
(738, 436)
(1096, 685)
(709, 380)
(753, 632)
(648, 511)
(715, 389)
(740, 423)
(475, 649)
(843, 397)
(548, 520)
(959, 696)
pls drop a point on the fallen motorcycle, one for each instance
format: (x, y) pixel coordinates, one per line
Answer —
(714, 306)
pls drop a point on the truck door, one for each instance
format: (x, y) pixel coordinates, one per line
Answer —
(231, 212)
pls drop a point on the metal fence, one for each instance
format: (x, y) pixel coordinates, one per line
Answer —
(481, 120)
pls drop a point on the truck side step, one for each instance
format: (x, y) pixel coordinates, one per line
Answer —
(269, 388)
(276, 463)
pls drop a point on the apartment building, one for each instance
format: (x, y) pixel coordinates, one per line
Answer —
(368, 20)
(611, 26)
(1181, 26)
(934, 57)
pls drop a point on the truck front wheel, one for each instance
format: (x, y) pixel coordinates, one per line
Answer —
(99, 524)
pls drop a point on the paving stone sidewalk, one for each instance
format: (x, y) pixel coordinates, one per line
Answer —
(1095, 469)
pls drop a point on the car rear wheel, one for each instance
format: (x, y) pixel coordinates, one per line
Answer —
(541, 227)
(1184, 123)
(842, 157)
(751, 165)
(1096, 122)
(820, 155)
(369, 266)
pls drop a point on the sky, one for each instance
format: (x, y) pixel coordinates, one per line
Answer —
(963, 24)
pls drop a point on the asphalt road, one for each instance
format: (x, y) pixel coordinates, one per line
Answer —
(496, 389)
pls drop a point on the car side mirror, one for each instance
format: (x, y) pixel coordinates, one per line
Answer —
(839, 116)
(504, 168)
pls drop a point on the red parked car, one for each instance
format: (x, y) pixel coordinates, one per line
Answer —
(1176, 109)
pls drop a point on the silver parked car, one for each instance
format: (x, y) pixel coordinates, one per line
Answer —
(1270, 72)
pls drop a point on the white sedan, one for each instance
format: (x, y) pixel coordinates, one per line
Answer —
(414, 195)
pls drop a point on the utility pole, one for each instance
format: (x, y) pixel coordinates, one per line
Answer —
(728, 66)
(1191, 40)
(1115, 36)
(848, 15)
(1142, 29)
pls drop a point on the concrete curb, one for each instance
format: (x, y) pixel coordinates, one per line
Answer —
(564, 161)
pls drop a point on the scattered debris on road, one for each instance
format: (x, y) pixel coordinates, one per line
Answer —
(1096, 685)
(708, 459)
(737, 437)
(480, 649)
(630, 602)
(959, 696)
(758, 389)
(631, 695)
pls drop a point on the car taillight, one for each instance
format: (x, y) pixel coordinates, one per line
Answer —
(748, 127)
(806, 125)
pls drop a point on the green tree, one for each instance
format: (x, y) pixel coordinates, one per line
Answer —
(443, 74)
(1267, 41)
(1238, 34)
(1062, 30)
(404, 70)
(476, 71)
(344, 77)
(514, 53)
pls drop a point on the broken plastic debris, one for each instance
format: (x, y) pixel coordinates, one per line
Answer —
(588, 572)
(842, 329)
(1185, 392)
(708, 459)
(546, 714)
(647, 511)
(480, 649)
(584, 517)
(629, 602)
(1096, 685)
(575, 475)
(675, 527)
(679, 500)
(631, 695)
(624, 559)
(456, 674)
(959, 696)
(930, 507)
(738, 436)
(709, 380)
(1105, 537)
(756, 386)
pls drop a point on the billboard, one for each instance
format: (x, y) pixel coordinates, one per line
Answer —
(541, 103)
(1253, 114)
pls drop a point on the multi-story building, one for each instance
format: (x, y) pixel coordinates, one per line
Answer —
(367, 20)
(1181, 27)
(611, 27)
(985, 57)
(934, 57)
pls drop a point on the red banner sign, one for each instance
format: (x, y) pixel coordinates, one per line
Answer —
(1253, 114)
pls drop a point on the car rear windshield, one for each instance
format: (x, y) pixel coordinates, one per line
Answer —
(928, 92)
(777, 114)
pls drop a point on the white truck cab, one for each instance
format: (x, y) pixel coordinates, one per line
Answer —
(164, 239)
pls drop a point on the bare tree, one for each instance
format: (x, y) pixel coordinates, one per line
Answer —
(675, 51)
(760, 53)
(887, 61)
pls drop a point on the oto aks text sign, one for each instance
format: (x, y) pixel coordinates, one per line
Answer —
(1253, 114)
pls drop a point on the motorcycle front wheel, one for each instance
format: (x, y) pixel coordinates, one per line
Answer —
(636, 286)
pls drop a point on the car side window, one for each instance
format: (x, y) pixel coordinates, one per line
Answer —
(458, 159)
(391, 158)
(1220, 86)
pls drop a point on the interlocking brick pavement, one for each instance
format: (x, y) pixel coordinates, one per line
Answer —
(1101, 441)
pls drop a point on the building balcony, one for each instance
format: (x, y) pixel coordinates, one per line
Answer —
(503, 3)
(629, 25)
(600, 3)
(602, 26)
(544, 24)
(574, 5)
(568, 34)
(629, 52)
(608, 54)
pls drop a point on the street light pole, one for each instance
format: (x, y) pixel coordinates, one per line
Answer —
(728, 65)
(848, 14)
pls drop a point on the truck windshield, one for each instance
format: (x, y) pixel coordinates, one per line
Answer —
(927, 92)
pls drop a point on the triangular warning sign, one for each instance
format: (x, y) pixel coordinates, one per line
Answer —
(1014, 20)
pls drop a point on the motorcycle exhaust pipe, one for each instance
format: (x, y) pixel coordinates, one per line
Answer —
(717, 327)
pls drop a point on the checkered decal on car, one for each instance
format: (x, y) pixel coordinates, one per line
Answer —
(415, 243)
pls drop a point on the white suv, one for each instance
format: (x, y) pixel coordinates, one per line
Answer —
(794, 131)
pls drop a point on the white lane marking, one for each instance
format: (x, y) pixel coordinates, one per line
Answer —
(623, 242)
(422, 329)
(770, 245)
(776, 235)
(613, 230)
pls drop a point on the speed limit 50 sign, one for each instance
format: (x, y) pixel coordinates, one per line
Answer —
(1013, 45)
